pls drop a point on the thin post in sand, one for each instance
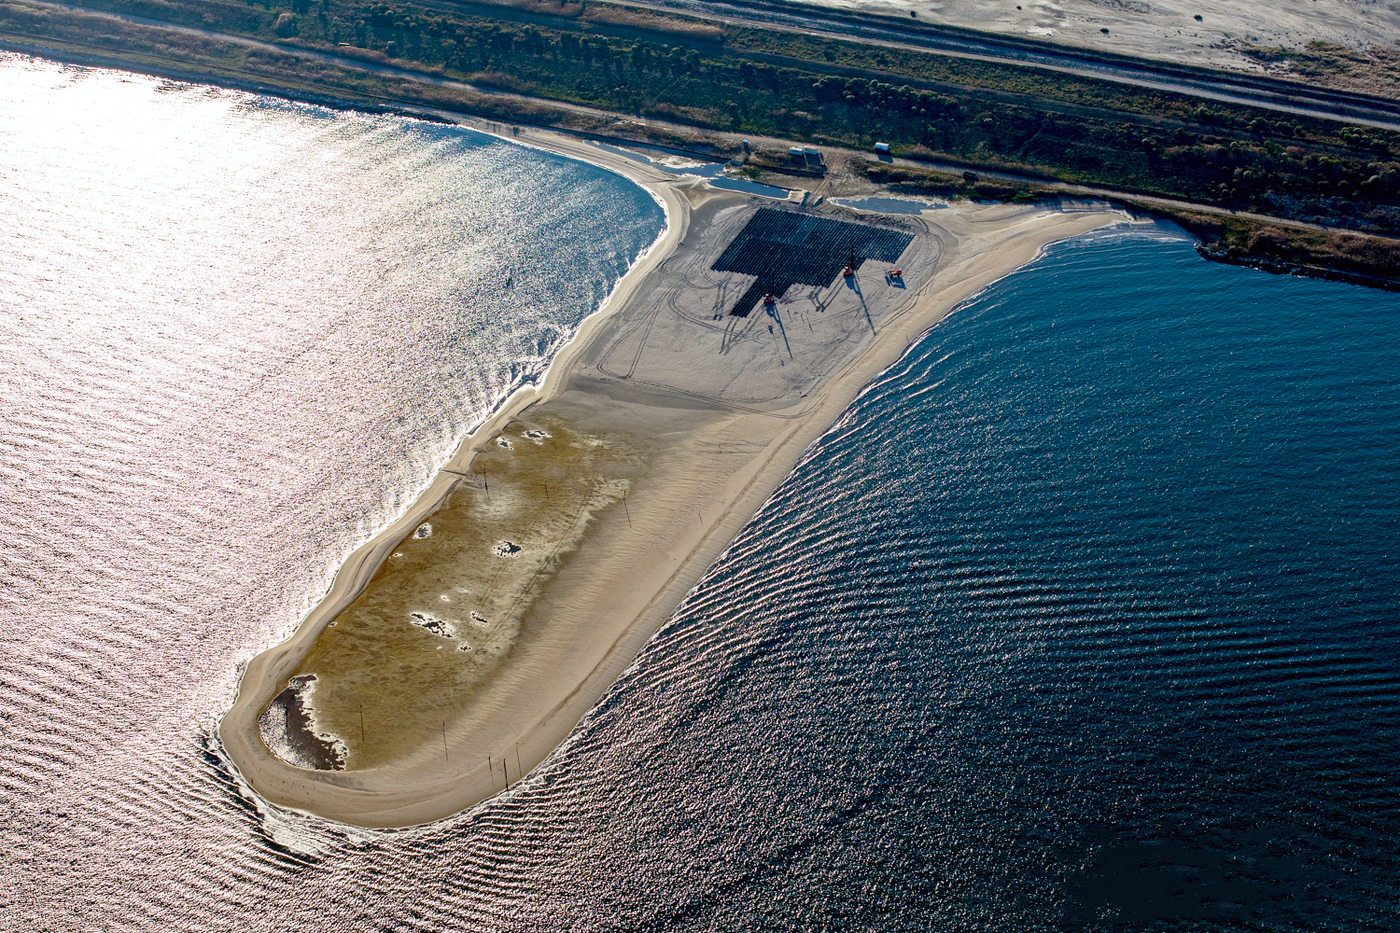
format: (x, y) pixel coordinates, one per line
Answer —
(444, 743)
(626, 510)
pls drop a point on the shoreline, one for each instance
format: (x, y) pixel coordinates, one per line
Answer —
(272, 664)
(1339, 250)
(595, 611)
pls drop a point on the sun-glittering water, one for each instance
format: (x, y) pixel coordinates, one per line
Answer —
(1083, 616)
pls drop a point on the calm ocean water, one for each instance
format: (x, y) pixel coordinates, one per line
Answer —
(1085, 616)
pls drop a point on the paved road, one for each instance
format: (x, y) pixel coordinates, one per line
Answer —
(1267, 93)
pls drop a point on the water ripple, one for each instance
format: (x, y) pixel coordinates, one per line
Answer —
(1104, 566)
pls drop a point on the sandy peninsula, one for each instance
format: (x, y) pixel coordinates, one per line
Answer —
(458, 648)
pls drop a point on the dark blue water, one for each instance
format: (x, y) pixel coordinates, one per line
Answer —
(1086, 616)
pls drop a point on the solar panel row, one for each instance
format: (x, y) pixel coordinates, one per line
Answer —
(785, 248)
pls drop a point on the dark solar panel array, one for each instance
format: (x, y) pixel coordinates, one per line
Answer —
(783, 248)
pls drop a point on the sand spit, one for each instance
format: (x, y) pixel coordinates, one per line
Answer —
(461, 645)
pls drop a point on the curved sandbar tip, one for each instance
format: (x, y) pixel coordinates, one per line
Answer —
(447, 663)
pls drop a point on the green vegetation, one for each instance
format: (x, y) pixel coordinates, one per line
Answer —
(769, 83)
(1366, 260)
(918, 181)
(1277, 247)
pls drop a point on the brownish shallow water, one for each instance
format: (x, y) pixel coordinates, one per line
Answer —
(447, 606)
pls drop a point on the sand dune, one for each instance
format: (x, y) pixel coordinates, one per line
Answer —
(1165, 29)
